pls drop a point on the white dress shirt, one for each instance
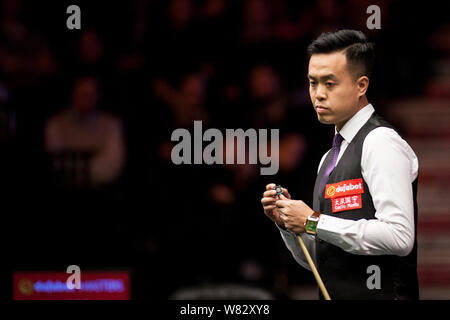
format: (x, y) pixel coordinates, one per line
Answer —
(389, 166)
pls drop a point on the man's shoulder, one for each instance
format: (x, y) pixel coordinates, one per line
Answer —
(383, 138)
(383, 134)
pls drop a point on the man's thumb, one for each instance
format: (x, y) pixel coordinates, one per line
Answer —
(282, 197)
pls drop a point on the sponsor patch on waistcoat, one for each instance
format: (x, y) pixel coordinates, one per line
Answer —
(345, 195)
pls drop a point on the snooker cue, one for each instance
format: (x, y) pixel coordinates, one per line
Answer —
(313, 269)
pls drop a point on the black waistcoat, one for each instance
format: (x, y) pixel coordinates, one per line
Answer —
(345, 275)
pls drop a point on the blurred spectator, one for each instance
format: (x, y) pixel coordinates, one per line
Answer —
(83, 128)
(24, 55)
(292, 150)
(91, 48)
(330, 14)
(438, 86)
(130, 38)
(187, 103)
(90, 55)
(270, 104)
(256, 33)
(257, 24)
(175, 40)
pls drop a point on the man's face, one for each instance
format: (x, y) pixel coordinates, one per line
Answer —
(333, 90)
(85, 96)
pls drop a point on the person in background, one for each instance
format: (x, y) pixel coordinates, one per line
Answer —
(83, 128)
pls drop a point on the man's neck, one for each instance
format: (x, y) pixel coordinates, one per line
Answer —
(361, 104)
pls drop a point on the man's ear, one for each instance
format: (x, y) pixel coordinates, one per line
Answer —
(362, 84)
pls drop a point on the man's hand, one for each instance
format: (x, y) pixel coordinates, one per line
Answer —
(293, 213)
(268, 201)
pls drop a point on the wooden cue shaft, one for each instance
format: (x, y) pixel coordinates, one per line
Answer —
(313, 269)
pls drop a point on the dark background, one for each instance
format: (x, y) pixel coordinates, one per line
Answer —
(160, 66)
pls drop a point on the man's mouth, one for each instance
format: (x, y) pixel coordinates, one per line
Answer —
(320, 108)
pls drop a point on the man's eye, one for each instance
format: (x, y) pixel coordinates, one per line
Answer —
(329, 84)
(312, 83)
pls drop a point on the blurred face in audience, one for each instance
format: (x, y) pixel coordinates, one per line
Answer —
(335, 93)
(85, 95)
(193, 89)
(256, 12)
(91, 48)
(180, 12)
(292, 148)
(263, 82)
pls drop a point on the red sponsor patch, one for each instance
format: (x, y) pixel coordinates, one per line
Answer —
(346, 203)
(344, 188)
(345, 195)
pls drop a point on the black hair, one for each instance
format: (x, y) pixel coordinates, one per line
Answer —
(360, 53)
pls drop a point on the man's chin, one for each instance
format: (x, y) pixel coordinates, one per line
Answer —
(324, 119)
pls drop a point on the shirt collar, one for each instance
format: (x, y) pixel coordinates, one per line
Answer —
(352, 126)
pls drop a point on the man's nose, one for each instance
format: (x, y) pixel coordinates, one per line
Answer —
(320, 94)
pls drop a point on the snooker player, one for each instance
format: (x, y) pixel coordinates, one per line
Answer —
(364, 212)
